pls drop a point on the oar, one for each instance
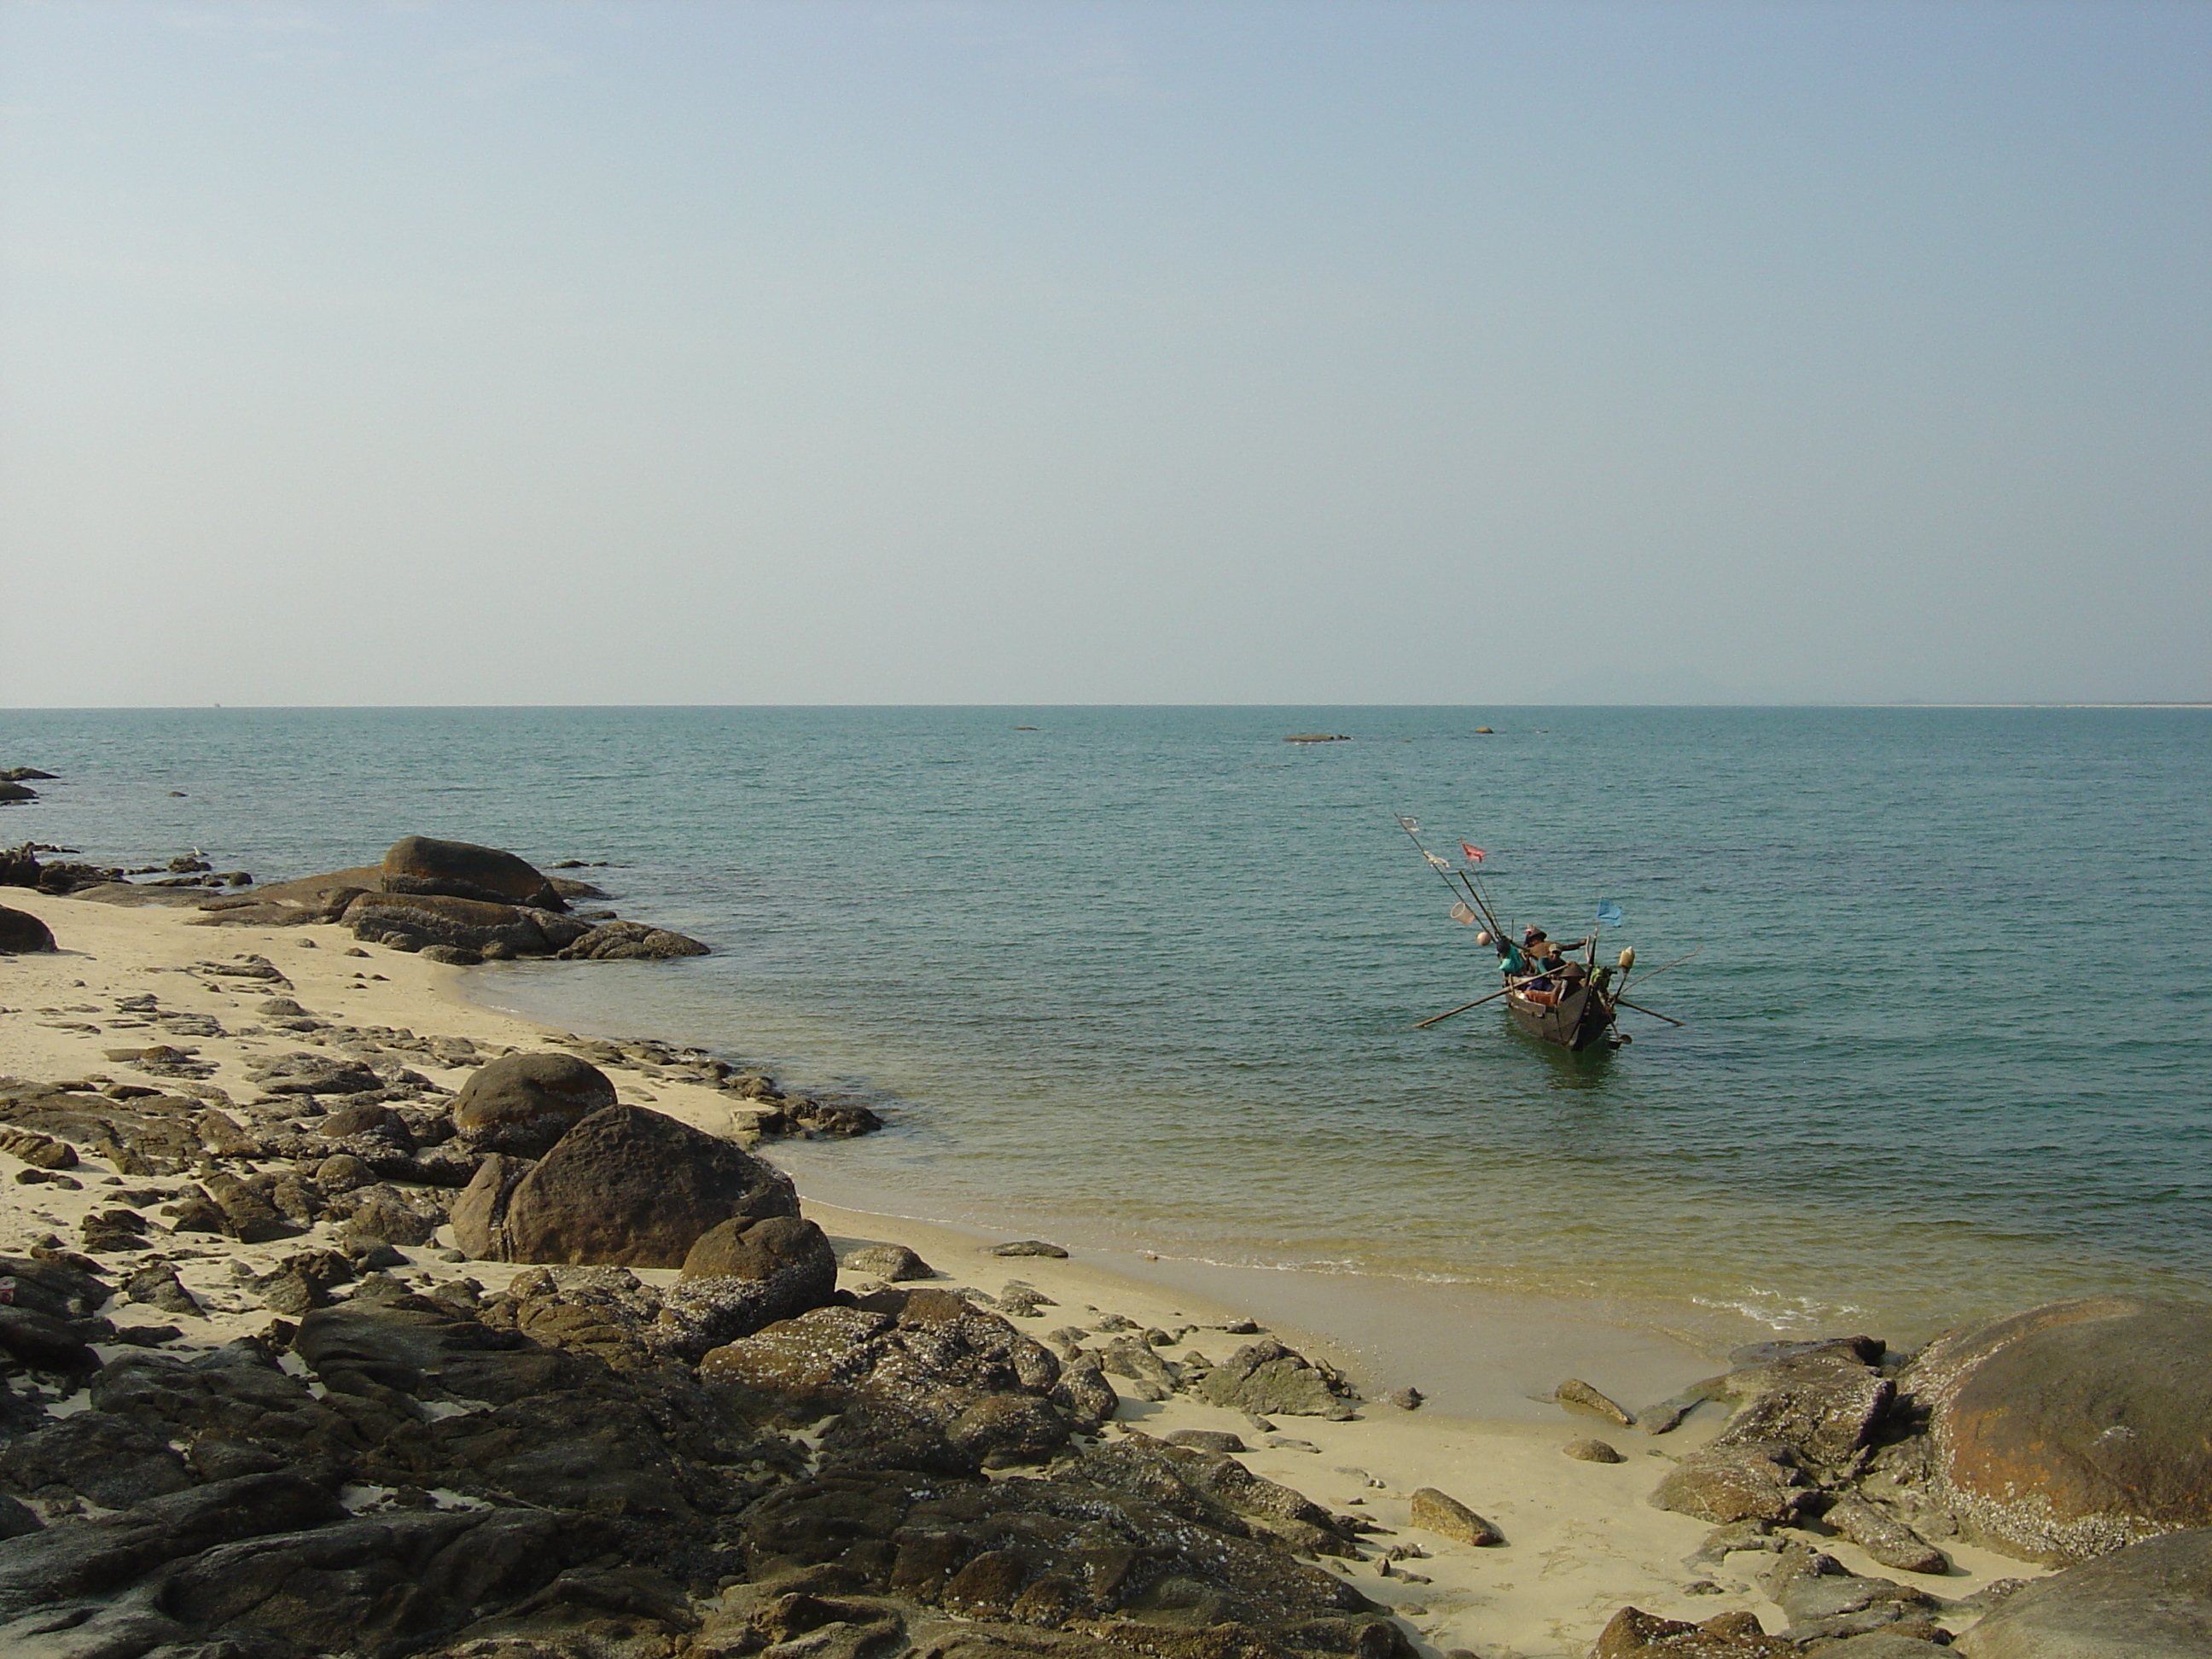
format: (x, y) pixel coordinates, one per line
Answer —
(1624, 1002)
(1424, 1024)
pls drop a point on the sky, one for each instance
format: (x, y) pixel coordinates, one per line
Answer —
(728, 351)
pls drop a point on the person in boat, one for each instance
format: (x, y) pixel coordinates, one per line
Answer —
(1510, 959)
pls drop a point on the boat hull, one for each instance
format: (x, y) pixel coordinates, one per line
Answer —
(1579, 1020)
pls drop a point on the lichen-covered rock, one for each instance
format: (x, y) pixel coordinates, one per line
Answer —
(2074, 1428)
(1722, 1484)
(1445, 1515)
(521, 1104)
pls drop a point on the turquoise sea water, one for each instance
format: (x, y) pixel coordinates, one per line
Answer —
(1148, 975)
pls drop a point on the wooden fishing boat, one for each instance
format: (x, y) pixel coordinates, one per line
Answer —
(1581, 1018)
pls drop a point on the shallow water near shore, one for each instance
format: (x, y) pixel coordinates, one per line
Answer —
(1147, 976)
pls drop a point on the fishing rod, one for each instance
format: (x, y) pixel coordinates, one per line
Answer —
(1445, 873)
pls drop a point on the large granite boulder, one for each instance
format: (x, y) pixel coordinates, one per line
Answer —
(624, 1188)
(22, 933)
(522, 1103)
(2150, 1601)
(415, 921)
(2073, 1429)
(460, 869)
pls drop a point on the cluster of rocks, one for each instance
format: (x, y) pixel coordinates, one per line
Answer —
(15, 791)
(2072, 1433)
(764, 1108)
(584, 1465)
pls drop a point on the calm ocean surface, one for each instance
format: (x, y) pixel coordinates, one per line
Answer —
(1147, 976)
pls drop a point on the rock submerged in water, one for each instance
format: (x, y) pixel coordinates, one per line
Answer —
(460, 869)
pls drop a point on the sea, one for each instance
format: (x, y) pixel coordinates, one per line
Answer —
(1147, 979)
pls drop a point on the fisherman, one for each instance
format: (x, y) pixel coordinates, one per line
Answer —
(1510, 959)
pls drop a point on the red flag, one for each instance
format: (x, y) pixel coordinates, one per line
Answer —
(1474, 853)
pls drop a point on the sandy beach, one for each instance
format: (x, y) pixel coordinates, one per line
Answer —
(1581, 1539)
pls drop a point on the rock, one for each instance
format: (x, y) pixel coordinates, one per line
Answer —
(892, 1262)
(747, 1272)
(1884, 1537)
(1406, 1400)
(1265, 1376)
(1029, 1246)
(460, 869)
(159, 1286)
(521, 1104)
(113, 1461)
(1821, 1599)
(1212, 1440)
(1898, 1642)
(22, 933)
(18, 774)
(11, 792)
(382, 1214)
(1822, 1404)
(247, 1216)
(1446, 1516)
(625, 1187)
(342, 1172)
(927, 1357)
(631, 941)
(1575, 1395)
(1734, 1483)
(314, 1074)
(1632, 1633)
(62, 1563)
(2148, 1601)
(2073, 1429)
(43, 1342)
(1592, 1451)
(453, 956)
(502, 930)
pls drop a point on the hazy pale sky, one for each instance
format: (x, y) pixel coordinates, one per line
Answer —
(1362, 352)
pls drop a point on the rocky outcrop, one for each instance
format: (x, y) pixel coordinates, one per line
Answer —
(463, 869)
(625, 1187)
(750, 1272)
(521, 1104)
(2072, 1429)
(1266, 1378)
(2149, 1601)
(22, 933)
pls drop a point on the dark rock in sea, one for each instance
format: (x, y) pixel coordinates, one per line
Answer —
(22, 933)
(460, 869)
(453, 956)
(2149, 1601)
(631, 941)
(2074, 1428)
(570, 888)
(1029, 1246)
(21, 774)
(13, 793)
(19, 866)
(1264, 1377)
(521, 1104)
(625, 1187)
(893, 1262)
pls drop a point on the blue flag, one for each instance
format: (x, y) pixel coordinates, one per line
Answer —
(1608, 913)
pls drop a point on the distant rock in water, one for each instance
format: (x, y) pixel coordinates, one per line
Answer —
(10, 791)
(630, 941)
(22, 773)
(1318, 737)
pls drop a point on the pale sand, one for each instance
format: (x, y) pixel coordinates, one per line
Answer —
(1581, 1540)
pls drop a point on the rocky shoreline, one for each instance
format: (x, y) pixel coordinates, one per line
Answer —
(327, 1334)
